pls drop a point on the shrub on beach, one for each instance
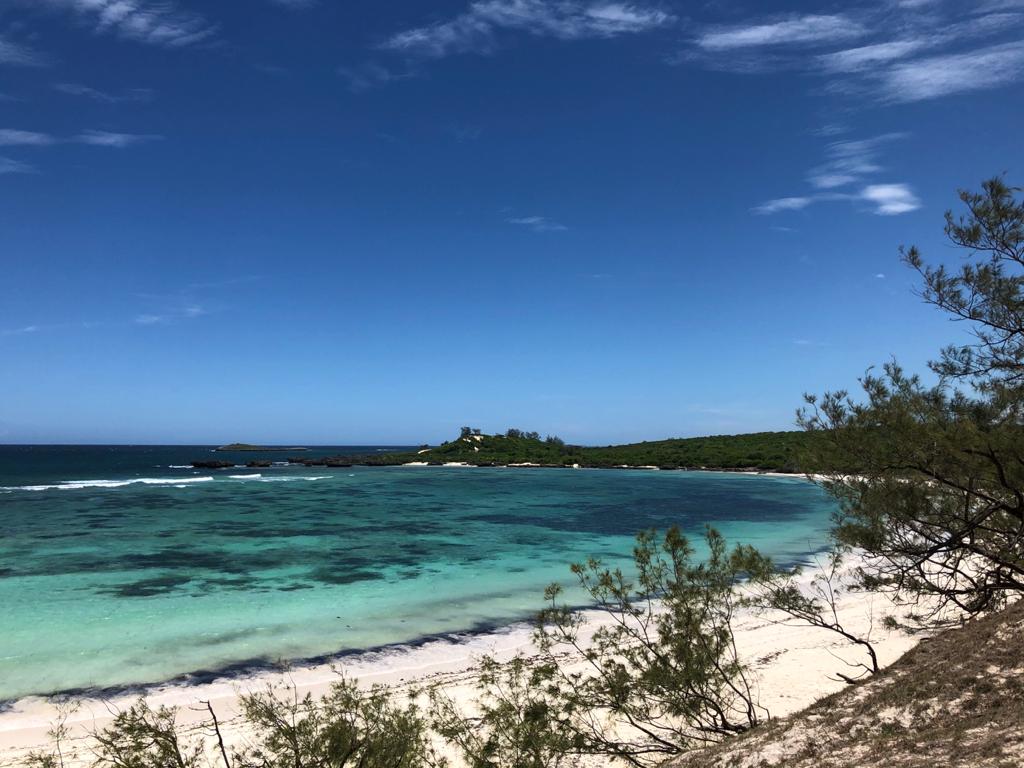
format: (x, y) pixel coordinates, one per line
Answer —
(348, 726)
(661, 677)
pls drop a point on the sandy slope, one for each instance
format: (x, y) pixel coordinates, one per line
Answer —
(956, 699)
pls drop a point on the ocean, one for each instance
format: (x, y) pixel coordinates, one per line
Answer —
(122, 566)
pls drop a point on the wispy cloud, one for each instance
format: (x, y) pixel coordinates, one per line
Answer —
(130, 95)
(20, 55)
(538, 224)
(782, 204)
(153, 22)
(867, 57)
(165, 313)
(795, 30)
(886, 50)
(114, 140)
(463, 134)
(850, 161)
(938, 76)
(809, 343)
(476, 28)
(20, 331)
(370, 75)
(917, 38)
(188, 312)
(12, 137)
(8, 165)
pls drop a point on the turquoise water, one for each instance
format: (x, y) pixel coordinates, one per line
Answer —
(141, 571)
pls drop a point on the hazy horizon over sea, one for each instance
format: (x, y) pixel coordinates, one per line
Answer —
(123, 566)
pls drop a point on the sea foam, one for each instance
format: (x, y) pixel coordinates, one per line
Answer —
(76, 485)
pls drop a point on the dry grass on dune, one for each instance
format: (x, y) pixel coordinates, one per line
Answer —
(956, 699)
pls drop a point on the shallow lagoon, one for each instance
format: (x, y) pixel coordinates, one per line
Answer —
(108, 583)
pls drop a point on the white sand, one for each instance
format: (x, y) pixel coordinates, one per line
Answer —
(794, 666)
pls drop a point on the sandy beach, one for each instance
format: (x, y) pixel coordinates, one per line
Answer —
(793, 666)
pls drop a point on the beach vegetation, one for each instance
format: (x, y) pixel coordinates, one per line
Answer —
(514, 722)
(349, 726)
(144, 737)
(662, 677)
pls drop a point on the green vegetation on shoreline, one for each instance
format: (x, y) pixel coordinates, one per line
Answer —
(762, 451)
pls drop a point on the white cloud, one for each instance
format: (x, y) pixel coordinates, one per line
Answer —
(187, 312)
(154, 22)
(783, 204)
(849, 161)
(8, 165)
(20, 331)
(76, 89)
(890, 60)
(801, 30)
(370, 75)
(880, 276)
(875, 57)
(538, 224)
(939, 76)
(19, 55)
(115, 140)
(809, 343)
(475, 28)
(999, 5)
(10, 137)
(890, 199)
(869, 56)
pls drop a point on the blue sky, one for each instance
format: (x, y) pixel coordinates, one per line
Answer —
(335, 222)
